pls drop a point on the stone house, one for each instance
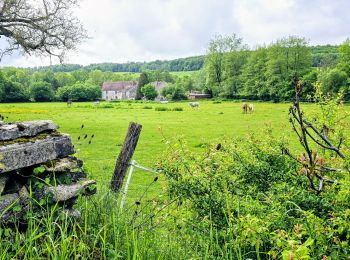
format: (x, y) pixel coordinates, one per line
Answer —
(119, 90)
(126, 89)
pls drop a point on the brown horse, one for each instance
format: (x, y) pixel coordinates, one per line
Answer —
(245, 108)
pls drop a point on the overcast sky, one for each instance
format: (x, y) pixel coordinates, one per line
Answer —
(139, 30)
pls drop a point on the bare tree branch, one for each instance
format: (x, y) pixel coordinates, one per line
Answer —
(313, 166)
(42, 27)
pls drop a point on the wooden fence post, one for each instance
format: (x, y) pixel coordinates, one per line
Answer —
(125, 156)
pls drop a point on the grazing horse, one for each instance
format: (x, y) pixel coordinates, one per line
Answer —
(194, 104)
(69, 103)
(251, 108)
(245, 108)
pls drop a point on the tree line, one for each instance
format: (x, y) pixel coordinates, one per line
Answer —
(267, 73)
(22, 85)
(322, 56)
(229, 70)
(181, 64)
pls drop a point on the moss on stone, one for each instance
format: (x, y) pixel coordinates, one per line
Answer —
(23, 140)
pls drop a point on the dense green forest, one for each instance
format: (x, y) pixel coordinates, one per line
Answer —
(229, 70)
(182, 64)
(322, 56)
(267, 73)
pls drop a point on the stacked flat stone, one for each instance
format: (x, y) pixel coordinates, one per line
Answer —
(35, 157)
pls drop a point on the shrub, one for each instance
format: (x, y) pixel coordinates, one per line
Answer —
(106, 105)
(162, 109)
(332, 81)
(13, 92)
(79, 92)
(41, 91)
(147, 107)
(178, 109)
(149, 92)
(242, 166)
(245, 196)
(174, 92)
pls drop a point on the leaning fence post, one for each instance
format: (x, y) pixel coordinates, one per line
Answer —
(125, 156)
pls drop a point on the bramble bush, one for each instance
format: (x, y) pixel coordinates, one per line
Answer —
(245, 199)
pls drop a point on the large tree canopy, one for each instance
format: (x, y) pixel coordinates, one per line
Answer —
(218, 47)
(44, 27)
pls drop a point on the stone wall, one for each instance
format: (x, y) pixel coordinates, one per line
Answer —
(37, 168)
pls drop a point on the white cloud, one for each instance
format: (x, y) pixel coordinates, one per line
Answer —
(320, 21)
(135, 30)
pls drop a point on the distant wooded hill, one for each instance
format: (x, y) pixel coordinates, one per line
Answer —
(322, 56)
(182, 64)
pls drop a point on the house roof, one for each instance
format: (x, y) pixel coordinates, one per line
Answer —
(129, 85)
(119, 86)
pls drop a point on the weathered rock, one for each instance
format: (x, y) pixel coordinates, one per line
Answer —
(72, 176)
(63, 165)
(33, 154)
(25, 129)
(4, 178)
(16, 156)
(24, 195)
(62, 193)
(6, 201)
(73, 213)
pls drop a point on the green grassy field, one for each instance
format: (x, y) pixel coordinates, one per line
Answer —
(211, 123)
(159, 228)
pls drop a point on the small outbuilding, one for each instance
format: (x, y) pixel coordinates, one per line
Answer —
(198, 95)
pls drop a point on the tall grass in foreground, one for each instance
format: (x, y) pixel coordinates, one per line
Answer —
(142, 230)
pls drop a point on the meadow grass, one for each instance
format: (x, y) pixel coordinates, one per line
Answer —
(105, 231)
(108, 122)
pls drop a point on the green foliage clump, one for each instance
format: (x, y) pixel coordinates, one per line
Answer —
(162, 109)
(11, 91)
(106, 105)
(174, 92)
(149, 92)
(333, 81)
(178, 109)
(344, 57)
(143, 80)
(41, 91)
(249, 198)
(79, 92)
